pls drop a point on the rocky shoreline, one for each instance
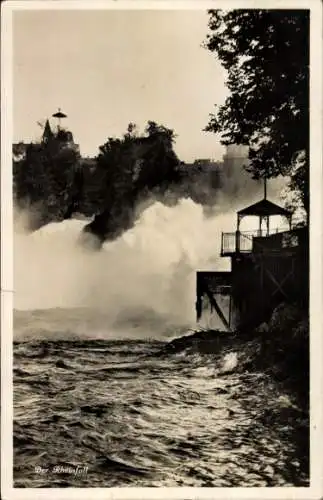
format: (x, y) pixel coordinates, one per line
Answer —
(279, 348)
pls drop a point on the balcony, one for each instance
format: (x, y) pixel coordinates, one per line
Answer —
(237, 242)
(259, 241)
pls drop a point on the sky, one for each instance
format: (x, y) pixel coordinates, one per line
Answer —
(107, 68)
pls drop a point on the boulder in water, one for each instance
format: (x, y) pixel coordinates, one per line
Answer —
(61, 364)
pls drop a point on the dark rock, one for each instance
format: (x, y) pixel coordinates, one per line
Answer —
(61, 364)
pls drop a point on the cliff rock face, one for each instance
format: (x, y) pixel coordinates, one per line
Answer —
(288, 324)
(285, 347)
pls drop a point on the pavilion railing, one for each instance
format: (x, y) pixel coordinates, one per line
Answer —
(242, 241)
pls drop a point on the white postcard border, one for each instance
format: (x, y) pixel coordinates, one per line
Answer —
(315, 490)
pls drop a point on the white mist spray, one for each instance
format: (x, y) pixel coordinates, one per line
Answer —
(143, 281)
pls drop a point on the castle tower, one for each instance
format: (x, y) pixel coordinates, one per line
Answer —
(47, 134)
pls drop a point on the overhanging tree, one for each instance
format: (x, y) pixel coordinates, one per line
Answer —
(266, 55)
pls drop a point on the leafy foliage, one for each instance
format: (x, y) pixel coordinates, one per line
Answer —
(44, 177)
(266, 54)
(51, 176)
(130, 169)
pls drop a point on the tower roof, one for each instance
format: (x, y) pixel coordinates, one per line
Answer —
(59, 114)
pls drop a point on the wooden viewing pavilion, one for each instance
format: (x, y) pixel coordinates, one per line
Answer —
(268, 266)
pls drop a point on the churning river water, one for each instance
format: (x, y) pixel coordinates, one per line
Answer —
(104, 413)
(114, 400)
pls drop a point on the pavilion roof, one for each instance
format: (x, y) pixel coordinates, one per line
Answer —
(265, 208)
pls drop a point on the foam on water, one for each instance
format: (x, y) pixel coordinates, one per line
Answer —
(145, 278)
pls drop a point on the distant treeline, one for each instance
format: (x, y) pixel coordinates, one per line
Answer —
(52, 178)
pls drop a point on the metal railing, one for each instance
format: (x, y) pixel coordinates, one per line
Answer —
(242, 241)
(238, 241)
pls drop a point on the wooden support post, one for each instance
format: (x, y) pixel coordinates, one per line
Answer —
(198, 307)
(262, 291)
(237, 241)
(199, 295)
(230, 310)
(238, 234)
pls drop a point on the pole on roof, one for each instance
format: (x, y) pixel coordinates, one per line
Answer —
(265, 188)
